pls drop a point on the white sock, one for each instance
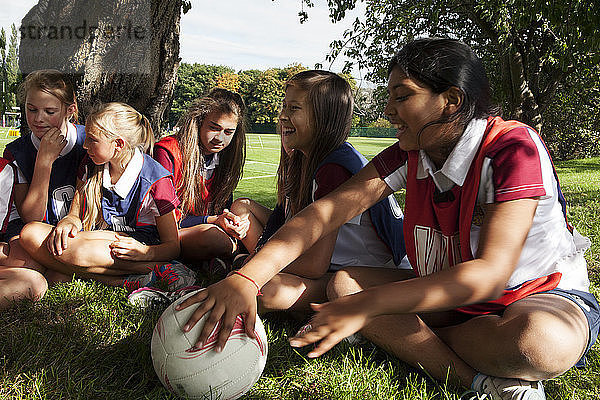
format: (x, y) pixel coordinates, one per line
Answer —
(477, 381)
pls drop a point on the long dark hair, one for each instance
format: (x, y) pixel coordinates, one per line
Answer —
(441, 63)
(231, 158)
(330, 103)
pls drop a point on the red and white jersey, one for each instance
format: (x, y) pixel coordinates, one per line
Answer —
(515, 165)
(8, 211)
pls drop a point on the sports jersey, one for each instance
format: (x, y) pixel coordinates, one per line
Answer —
(22, 152)
(143, 192)
(168, 154)
(373, 238)
(8, 211)
(493, 161)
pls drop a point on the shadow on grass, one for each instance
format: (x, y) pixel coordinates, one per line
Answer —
(61, 352)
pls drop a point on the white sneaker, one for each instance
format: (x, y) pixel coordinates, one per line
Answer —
(173, 275)
(147, 297)
(508, 389)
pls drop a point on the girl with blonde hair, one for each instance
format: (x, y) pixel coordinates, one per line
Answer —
(122, 219)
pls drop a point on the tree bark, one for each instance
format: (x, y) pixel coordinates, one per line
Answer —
(114, 50)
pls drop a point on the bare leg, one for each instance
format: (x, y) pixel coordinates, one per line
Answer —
(18, 283)
(205, 241)
(406, 336)
(536, 338)
(292, 292)
(87, 253)
(257, 214)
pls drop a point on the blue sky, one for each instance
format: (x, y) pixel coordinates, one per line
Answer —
(242, 34)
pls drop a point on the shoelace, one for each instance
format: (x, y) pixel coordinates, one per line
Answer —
(168, 273)
(130, 286)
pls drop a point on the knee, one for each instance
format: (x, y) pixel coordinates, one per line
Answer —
(33, 235)
(241, 206)
(342, 284)
(31, 284)
(546, 347)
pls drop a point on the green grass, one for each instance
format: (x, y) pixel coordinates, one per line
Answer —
(82, 341)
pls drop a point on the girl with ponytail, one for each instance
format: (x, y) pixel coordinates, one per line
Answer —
(122, 219)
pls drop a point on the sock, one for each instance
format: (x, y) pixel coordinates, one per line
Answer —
(477, 381)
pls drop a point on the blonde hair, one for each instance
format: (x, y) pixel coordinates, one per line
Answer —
(113, 121)
(231, 159)
(52, 82)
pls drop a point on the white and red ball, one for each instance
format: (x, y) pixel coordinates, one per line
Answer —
(204, 373)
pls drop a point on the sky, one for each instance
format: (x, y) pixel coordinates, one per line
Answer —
(243, 34)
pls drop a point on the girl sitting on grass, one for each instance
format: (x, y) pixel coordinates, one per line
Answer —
(122, 219)
(314, 124)
(39, 183)
(501, 300)
(206, 156)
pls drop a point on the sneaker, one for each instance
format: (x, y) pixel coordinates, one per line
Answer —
(508, 389)
(152, 297)
(171, 276)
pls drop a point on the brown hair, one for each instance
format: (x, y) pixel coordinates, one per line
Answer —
(113, 120)
(330, 103)
(231, 158)
(52, 82)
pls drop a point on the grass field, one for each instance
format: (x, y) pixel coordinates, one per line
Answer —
(83, 341)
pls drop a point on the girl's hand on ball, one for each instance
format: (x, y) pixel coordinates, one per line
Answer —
(333, 322)
(224, 300)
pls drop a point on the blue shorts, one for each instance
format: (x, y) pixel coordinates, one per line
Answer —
(590, 307)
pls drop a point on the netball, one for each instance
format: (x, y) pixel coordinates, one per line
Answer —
(203, 373)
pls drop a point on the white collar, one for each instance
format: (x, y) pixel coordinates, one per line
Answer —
(71, 139)
(128, 178)
(213, 162)
(455, 168)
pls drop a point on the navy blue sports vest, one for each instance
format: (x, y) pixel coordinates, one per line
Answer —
(121, 214)
(63, 177)
(387, 223)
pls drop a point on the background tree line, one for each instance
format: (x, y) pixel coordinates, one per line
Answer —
(9, 69)
(262, 91)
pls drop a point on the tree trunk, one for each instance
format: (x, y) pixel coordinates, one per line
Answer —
(521, 101)
(115, 50)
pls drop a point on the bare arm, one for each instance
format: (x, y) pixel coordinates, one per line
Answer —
(68, 227)
(236, 295)
(32, 199)
(502, 237)
(127, 248)
(315, 262)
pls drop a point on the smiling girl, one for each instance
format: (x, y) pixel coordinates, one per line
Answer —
(314, 123)
(501, 299)
(206, 156)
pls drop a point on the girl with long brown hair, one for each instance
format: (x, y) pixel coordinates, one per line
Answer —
(314, 124)
(206, 156)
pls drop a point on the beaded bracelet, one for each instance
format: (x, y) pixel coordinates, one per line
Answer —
(259, 293)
